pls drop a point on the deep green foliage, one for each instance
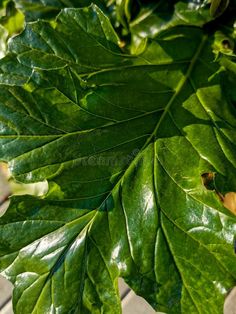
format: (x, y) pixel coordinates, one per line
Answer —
(127, 109)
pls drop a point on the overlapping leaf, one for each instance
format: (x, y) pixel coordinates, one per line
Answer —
(146, 19)
(34, 9)
(123, 142)
(135, 20)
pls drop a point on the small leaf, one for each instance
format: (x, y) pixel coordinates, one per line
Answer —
(223, 44)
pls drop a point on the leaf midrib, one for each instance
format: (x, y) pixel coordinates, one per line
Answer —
(152, 136)
(178, 89)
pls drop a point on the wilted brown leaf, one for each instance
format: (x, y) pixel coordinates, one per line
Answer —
(229, 201)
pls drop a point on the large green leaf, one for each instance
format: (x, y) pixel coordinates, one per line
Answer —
(123, 142)
(140, 19)
(135, 21)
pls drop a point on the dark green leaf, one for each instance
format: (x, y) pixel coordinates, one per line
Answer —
(35, 9)
(123, 142)
(157, 16)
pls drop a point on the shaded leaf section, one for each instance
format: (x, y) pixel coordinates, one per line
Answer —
(35, 9)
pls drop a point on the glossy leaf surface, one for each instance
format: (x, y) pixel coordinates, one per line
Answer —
(123, 142)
